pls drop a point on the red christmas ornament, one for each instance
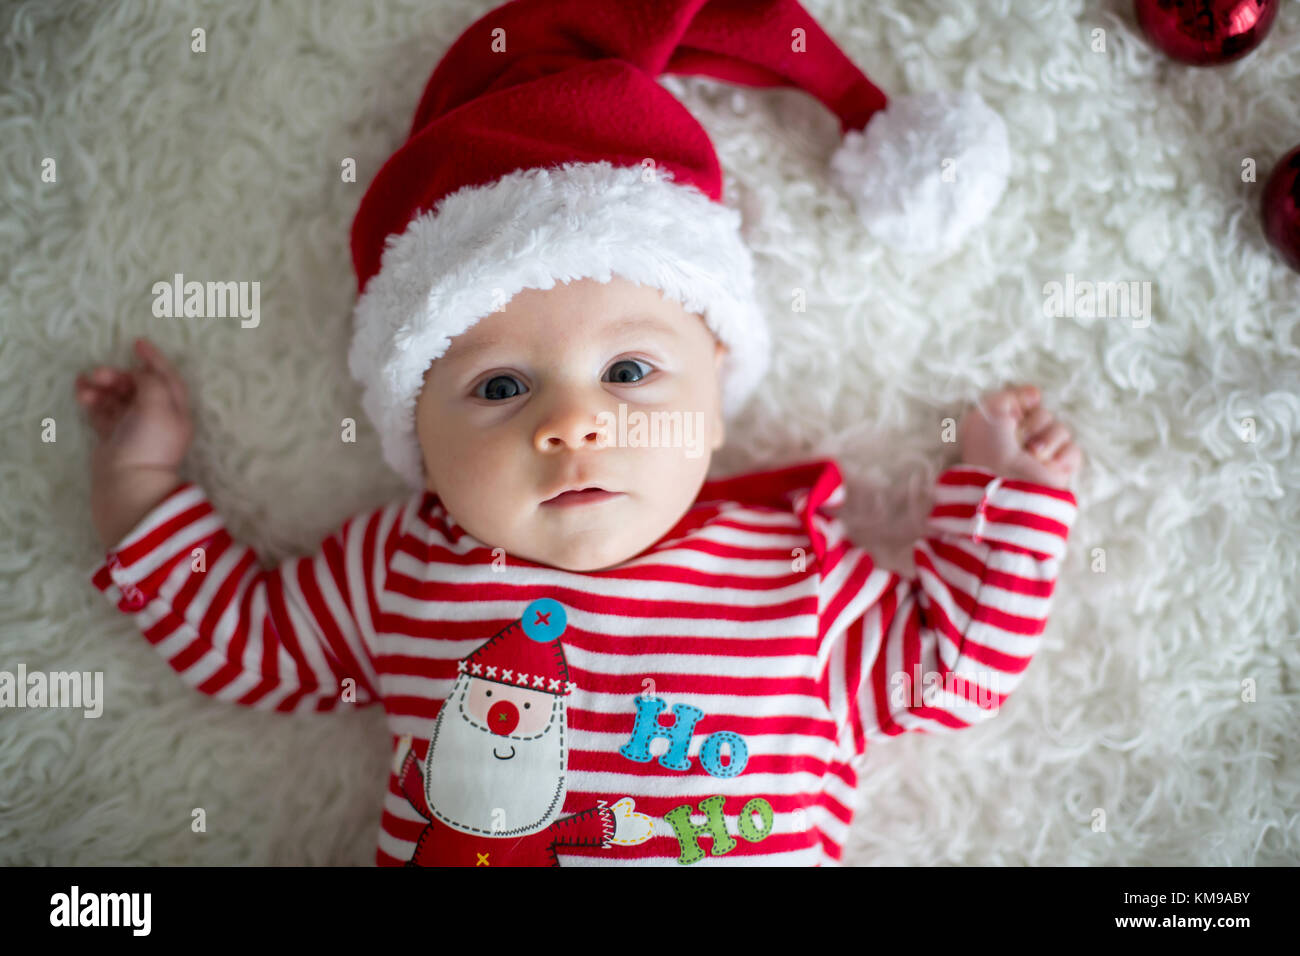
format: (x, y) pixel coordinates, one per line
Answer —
(1206, 32)
(1280, 208)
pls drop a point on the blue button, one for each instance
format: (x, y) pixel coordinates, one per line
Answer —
(544, 620)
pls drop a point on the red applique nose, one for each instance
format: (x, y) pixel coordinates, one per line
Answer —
(503, 717)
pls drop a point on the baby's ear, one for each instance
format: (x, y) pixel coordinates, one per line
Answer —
(719, 353)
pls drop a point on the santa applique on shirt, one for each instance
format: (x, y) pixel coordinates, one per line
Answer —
(493, 779)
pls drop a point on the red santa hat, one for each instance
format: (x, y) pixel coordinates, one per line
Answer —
(526, 653)
(545, 149)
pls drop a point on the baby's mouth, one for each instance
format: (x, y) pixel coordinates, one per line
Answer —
(586, 496)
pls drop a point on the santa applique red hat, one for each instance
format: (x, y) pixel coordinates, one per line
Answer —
(545, 150)
(526, 653)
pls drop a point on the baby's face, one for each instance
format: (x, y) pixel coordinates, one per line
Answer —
(527, 403)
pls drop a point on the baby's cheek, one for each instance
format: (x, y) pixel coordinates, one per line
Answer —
(478, 486)
(674, 472)
(495, 494)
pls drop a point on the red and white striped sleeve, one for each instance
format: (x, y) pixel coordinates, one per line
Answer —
(294, 638)
(942, 650)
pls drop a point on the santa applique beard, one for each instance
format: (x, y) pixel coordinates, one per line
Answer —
(492, 784)
(482, 782)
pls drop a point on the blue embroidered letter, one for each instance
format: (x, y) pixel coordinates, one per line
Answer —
(737, 750)
(647, 727)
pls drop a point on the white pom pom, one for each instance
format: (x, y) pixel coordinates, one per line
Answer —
(927, 170)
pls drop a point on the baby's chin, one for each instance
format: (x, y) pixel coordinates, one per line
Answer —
(579, 558)
(582, 542)
(593, 548)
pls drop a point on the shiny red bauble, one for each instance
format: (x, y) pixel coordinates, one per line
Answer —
(1280, 208)
(1206, 32)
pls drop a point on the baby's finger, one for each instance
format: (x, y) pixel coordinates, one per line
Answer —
(160, 364)
(1014, 401)
(88, 391)
(153, 389)
(180, 393)
(1028, 396)
(104, 414)
(1036, 421)
(124, 387)
(105, 376)
(1067, 459)
(1047, 443)
(150, 354)
(995, 407)
(88, 394)
(155, 358)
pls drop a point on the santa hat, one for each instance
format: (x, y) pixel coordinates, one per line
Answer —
(526, 653)
(544, 149)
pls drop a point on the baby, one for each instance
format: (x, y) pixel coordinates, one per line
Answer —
(587, 652)
(736, 605)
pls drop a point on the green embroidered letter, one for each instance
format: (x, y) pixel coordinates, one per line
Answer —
(688, 833)
(747, 829)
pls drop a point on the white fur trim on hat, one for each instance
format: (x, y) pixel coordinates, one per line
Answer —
(528, 230)
(895, 169)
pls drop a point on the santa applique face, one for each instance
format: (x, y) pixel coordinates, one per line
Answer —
(493, 781)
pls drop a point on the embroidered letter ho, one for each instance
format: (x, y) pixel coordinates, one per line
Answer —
(647, 727)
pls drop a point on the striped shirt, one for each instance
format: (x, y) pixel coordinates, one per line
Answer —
(719, 689)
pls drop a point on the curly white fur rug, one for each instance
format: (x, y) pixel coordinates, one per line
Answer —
(1126, 167)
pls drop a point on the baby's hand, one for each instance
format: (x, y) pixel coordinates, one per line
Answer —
(1010, 434)
(140, 415)
(141, 418)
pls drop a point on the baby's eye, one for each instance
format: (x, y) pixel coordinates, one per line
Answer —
(501, 386)
(620, 373)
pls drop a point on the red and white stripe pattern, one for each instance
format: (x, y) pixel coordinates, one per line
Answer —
(754, 608)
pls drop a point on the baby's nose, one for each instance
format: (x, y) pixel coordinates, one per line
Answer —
(574, 425)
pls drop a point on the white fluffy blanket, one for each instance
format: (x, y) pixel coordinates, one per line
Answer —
(1126, 167)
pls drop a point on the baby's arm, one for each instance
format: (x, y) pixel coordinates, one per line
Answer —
(291, 638)
(141, 418)
(943, 650)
